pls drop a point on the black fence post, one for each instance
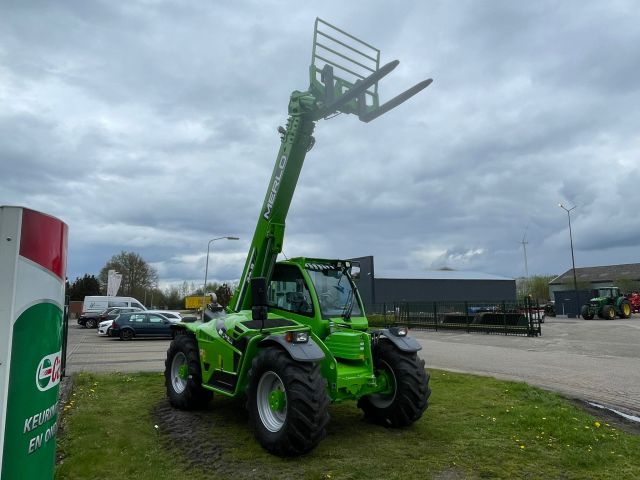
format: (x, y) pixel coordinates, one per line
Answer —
(504, 316)
(435, 315)
(539, 319)
(466, 315)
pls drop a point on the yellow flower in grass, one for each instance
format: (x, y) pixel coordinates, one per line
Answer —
(597, 424)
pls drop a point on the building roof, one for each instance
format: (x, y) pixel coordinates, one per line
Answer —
(451, 275)
(605, 273)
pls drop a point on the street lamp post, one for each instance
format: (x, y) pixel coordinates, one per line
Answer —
(573, 261)
(206, 270)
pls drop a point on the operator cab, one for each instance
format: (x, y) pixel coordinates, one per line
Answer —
(608, 292)
(318, 292)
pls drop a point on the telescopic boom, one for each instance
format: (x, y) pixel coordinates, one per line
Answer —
(344, 77)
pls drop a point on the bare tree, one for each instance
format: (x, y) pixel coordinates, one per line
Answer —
(137, 275)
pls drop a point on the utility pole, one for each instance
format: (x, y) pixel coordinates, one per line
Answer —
(526, 267)
(573, 261)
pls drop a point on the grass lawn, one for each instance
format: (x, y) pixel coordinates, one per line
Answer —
(118, 426)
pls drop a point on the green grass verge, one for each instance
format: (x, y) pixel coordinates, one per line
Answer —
(475, 427)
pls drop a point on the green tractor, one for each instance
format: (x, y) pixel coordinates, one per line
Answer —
(608, 304)
(295, 336)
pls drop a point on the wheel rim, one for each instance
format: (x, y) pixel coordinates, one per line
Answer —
(626, 309)
(179, 372)
(271, 400)
(384, 400)
(611, 313)
(127, 334)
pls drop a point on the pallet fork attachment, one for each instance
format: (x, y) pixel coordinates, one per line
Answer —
(345, 72)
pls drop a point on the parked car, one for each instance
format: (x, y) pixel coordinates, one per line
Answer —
(113, 312)
(99, 303)
(104, 327)
(92, 319)
(94, 306)
(88, 319)
(141, 324)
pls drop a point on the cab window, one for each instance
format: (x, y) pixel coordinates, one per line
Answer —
(288, 291)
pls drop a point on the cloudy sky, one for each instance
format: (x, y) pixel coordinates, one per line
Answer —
(151, 126)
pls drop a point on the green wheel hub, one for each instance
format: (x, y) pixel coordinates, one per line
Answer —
(271, 398)
(386, 382)
(179, 372)
(277, 400)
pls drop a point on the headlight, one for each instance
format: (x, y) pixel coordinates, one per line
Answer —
(296, 337)
(399, 331)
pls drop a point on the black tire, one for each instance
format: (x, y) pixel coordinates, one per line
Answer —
(625, 309)
(608, 312)
(410, 383)
(126, 334)
(185, 393)
(298, 423)
(586, 312)
(91, 323)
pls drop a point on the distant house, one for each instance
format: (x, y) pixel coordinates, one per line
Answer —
(433, 286)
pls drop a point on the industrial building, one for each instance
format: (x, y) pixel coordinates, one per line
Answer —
(433, 286)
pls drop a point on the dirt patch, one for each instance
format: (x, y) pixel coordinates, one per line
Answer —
(190, 432)
(452, 474)
(609, 417)
(219, 439)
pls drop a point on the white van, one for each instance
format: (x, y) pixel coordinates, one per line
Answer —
(99, 304)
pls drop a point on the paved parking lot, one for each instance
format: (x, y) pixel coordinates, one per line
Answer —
(595, 360)
(86, 351)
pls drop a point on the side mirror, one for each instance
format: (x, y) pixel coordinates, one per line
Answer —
(259, 291)
(259, 309)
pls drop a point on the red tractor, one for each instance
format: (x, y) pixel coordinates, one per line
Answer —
(634, 299)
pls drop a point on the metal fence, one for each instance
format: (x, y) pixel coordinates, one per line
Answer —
(502, 318)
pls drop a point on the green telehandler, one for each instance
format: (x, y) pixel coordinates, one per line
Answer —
(608, 304)
(295, 336)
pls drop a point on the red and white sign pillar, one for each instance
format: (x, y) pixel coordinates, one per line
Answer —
(33, 257)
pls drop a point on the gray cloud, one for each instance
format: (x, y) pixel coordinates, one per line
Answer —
(151, 126)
